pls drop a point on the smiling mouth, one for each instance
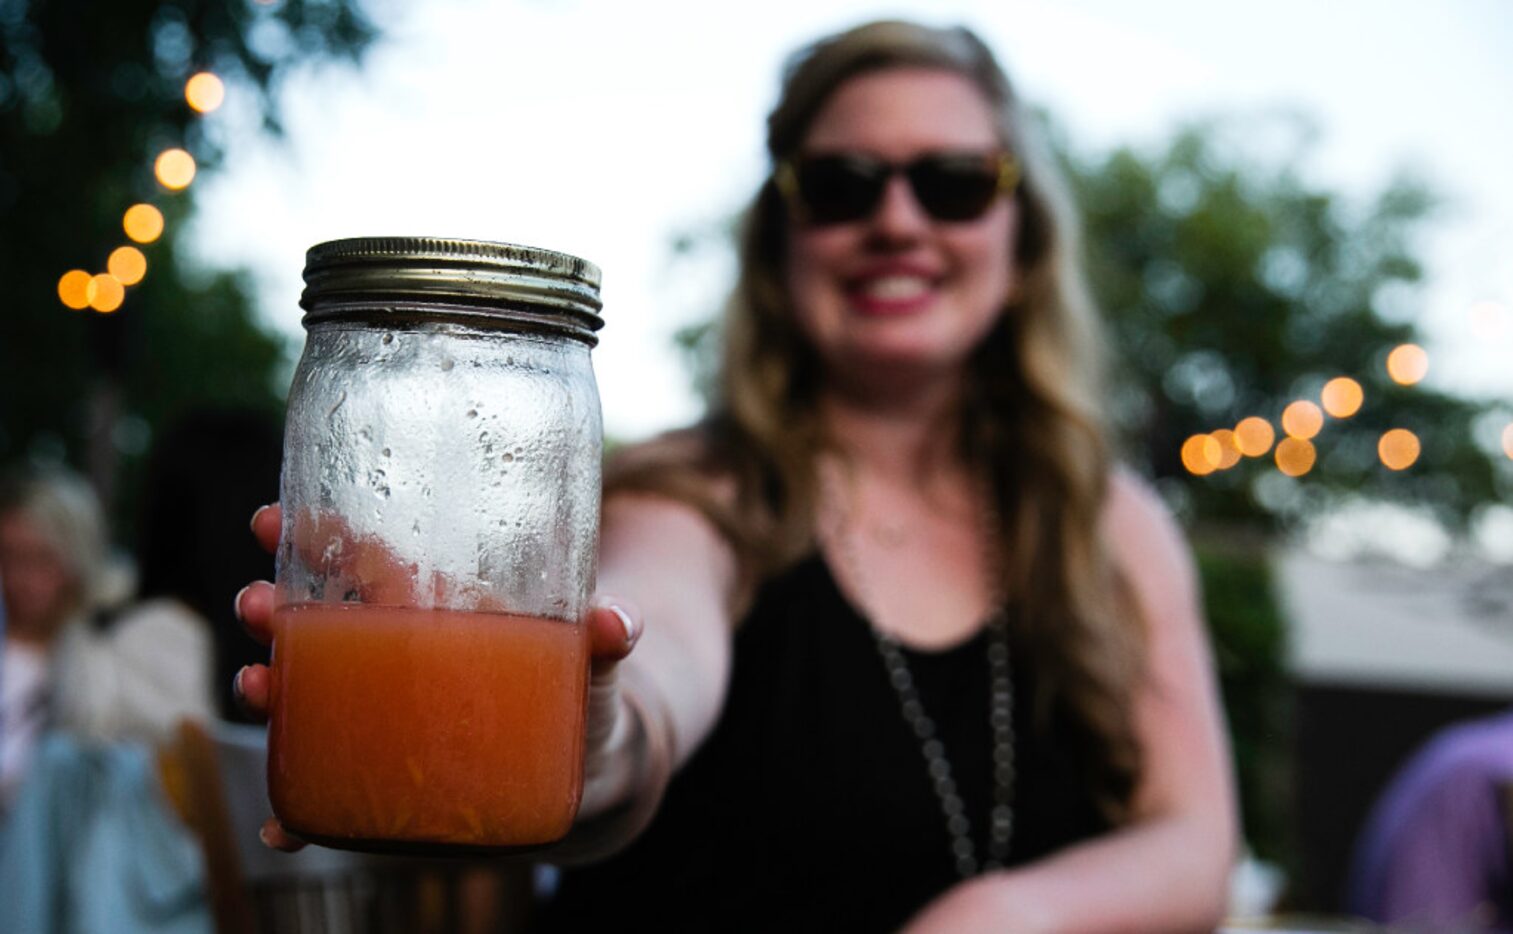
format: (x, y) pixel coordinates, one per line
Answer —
(895, 288)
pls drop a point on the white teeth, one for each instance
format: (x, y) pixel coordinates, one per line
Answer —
(895, 288)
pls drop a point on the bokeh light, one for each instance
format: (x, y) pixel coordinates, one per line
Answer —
(127, 264)
(143, 223)
(1295, 456)
(174, 169)
(73, 289)
(1254, 436)
(1407, 364)
(1229, 448)
(1398, 449)
(1342, 397)
(1507, 440)
(1302, 419)
(106, 293)
(204, 92)
(1201, 455)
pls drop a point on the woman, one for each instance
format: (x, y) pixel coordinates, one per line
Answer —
(916, 652)
(69, 663)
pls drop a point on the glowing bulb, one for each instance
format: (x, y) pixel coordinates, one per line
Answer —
(174, 169)
(106, 293)
(1295, 456)
(1398, 449)
(1343, 397)
(73, 289)
(1407, 364)
(1229, 448)
(204, 92)
(143, 223)
(1254, 436)
(1302, 419)
(1201, 455)
(127, 264)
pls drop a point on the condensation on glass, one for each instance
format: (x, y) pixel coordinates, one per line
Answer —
(440, 496)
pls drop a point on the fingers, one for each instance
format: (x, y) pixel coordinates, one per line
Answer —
(266, 523)
(614, 627)
(253, 605)
(253, 689)
(276, 837)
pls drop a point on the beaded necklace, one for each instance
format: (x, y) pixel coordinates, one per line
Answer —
(840, 535)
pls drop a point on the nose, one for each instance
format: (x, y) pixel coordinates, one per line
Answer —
(899, 215)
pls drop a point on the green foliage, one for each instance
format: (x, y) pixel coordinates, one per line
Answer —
(90, 93)
(1233, 287)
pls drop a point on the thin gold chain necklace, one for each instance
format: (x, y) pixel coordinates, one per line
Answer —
(839, 533)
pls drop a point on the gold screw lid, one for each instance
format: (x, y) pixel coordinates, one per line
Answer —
(411, 276)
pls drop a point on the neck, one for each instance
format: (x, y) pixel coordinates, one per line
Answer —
(907, 438)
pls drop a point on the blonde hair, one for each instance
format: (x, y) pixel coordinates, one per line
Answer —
(64, 510)
(1031, 417)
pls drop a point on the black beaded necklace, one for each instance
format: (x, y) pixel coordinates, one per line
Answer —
(839, 534)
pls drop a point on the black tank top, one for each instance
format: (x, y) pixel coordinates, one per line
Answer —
(809, 807)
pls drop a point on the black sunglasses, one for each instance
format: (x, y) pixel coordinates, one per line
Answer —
(841, 187)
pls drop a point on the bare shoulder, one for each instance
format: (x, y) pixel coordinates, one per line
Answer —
(666, 511)
(1145, 541)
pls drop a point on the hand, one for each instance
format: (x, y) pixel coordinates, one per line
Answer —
(614, 626)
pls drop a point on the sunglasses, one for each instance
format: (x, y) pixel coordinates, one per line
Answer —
(843, 187)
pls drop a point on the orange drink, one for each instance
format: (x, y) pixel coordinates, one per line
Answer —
(405, 728)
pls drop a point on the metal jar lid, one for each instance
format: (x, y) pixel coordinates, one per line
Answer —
(485, 283)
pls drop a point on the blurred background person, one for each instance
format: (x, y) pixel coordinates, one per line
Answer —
(73, 659)
(1437, 851)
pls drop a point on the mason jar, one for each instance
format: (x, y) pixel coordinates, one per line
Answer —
(440, 494)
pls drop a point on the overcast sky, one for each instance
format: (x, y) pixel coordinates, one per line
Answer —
(605, 128)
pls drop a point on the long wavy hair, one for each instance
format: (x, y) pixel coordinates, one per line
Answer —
(1031, 417)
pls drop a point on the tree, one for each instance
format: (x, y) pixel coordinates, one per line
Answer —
(90, 94)
(1234, 288)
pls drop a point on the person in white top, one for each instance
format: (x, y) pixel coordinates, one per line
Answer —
(134, 677)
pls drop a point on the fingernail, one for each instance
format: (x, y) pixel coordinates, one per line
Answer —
(627, 622)
(259, 512)
(262, 834)
(236, 683)
(236, 602)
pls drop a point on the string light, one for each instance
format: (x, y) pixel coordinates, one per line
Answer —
(73, 289)
(143, 223)
(105, 292)
(1302, 420)
(1407, 364)
(1254, 435)
(204, 92)
(1295, 456)
(127, 264)
(1398, 449)
(1229, 448)
(1342, 397)
(1201, 455)
(175, 169)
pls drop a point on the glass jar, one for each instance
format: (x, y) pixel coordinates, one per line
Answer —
(440, 494)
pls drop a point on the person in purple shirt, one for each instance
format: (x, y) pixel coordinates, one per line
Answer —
(1435, 851)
